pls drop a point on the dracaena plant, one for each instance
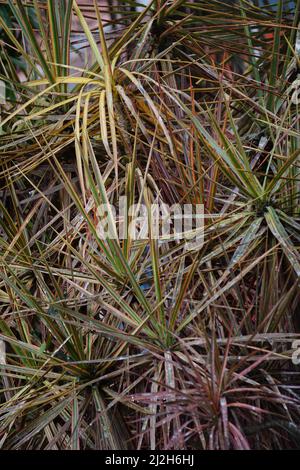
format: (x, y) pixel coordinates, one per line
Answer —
(122, 343)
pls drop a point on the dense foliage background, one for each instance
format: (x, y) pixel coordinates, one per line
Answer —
(119, 344)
